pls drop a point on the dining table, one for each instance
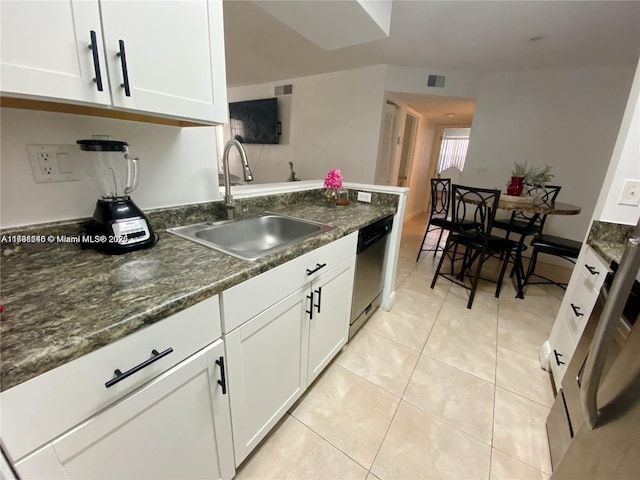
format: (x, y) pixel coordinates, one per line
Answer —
(535, 208)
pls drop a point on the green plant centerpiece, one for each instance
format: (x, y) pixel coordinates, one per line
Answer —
(532, 176)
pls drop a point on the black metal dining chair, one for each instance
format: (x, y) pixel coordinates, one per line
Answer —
(478, 206)
(551, 245)
(440, 199)
(439, 215)
(528, 223)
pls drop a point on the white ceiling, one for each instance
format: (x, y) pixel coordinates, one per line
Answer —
(467, 36)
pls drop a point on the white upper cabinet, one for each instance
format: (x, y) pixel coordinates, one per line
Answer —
(173, 52)
(154, 57)
(45, 50)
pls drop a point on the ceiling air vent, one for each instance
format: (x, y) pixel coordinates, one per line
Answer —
(435, 81)
(284, 89)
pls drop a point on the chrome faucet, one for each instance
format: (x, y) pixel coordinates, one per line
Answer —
(229, 203)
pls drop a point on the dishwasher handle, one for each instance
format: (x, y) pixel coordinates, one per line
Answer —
(372, 234)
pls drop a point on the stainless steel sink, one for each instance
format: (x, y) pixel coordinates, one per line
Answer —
(253, 237)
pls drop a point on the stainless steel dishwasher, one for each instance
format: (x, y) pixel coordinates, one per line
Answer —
(369, 276)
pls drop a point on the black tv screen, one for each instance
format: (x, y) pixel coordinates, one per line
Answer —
(254, 121)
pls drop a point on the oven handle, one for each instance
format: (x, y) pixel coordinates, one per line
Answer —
(611, 313)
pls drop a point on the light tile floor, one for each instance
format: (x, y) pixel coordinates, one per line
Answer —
(428, 390)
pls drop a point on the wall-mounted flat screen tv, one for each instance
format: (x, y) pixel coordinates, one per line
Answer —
(255, 121)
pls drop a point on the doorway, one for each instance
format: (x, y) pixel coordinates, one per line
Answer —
(408, 144)
(386, 148)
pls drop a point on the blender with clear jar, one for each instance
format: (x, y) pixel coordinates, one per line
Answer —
(118, 225)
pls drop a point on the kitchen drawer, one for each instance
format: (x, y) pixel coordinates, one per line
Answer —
(593, 268)
(583, 298)
(562, 348)
(36, 411)
(248, 299)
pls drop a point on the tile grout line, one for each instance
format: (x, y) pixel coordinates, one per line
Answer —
(449, 366)
(321, 437)
(495, 387)
(401, 397)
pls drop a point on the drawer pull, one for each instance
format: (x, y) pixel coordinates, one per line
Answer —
(96, 60)
(318, 267)
(558, 355)
(319, 292)
(310, 311)
(223, 378)
(119, 376)
(576, 311)
(591, 269)
(125, 72)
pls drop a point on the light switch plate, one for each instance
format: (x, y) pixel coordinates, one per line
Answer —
(630, 193)
(54, 163)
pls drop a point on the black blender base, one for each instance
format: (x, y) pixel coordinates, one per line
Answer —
(98, 237)
(101, 234)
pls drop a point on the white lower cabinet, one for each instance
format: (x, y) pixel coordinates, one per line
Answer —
(329, 325)
(177, 426)
(562, 347)
(267, 370)
(578, 302)
(151, 405)
(275, 354)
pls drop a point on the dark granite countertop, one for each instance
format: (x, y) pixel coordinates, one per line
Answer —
(609, 239)
(61, 302)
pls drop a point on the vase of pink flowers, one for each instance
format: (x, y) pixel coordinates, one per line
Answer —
(332, 185)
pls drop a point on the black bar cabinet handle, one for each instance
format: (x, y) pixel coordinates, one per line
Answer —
(96, 60)
(558, 355)
(310, 311)
(223, 378)
(592, 270)
(125, 72)
(319, 292)
(576, 311)
(119, 376)
(318, 267)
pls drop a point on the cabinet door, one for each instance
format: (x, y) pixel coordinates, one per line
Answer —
(173, 50)
(329, 324)
(45, 50)
(177, 426)
(267, 369)
(562, 348)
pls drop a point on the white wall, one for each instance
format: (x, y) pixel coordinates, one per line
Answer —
(625, 164)
(566, 117)
(178, 165)
(330, 121)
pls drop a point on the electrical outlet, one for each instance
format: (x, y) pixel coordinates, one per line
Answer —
(45, 163)
(630, 193)
(364, 197)
(54, 163)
